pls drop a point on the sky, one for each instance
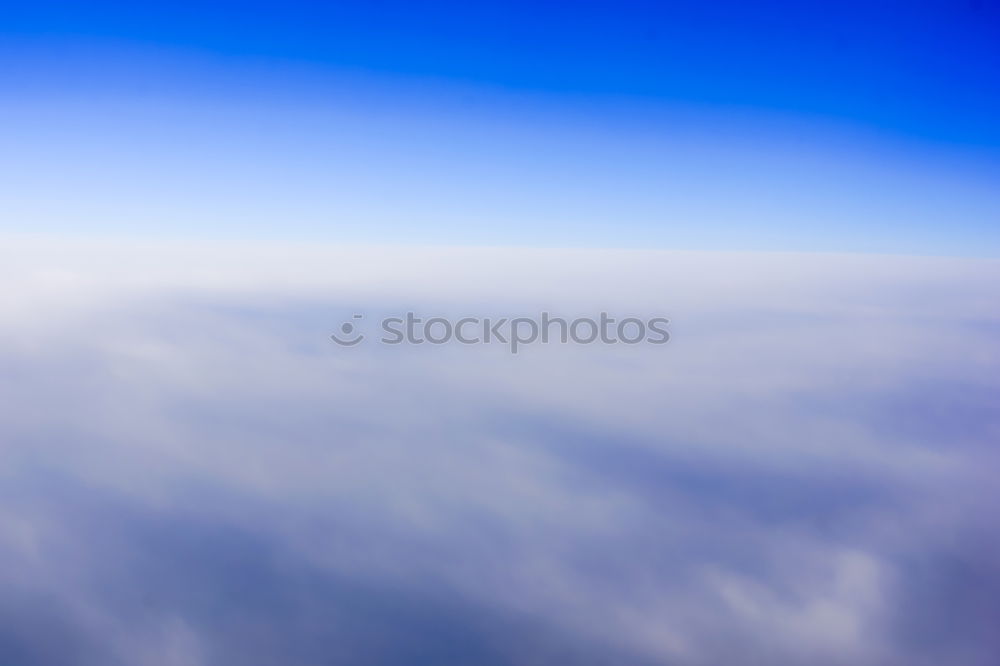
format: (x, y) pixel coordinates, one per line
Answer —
(196, 197)
(859, 127)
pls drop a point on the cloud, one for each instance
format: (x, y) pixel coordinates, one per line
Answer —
(192, 473)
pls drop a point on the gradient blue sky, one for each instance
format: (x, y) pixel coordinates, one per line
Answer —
(192, 473)
(764, 126)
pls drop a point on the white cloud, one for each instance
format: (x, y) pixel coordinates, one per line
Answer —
(175, 423)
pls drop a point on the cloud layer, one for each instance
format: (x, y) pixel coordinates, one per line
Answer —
(193, 474)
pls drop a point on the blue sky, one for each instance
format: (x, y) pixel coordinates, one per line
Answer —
(193, 197)
(773, 126)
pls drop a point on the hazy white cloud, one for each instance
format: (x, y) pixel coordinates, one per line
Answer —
(194, 474)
